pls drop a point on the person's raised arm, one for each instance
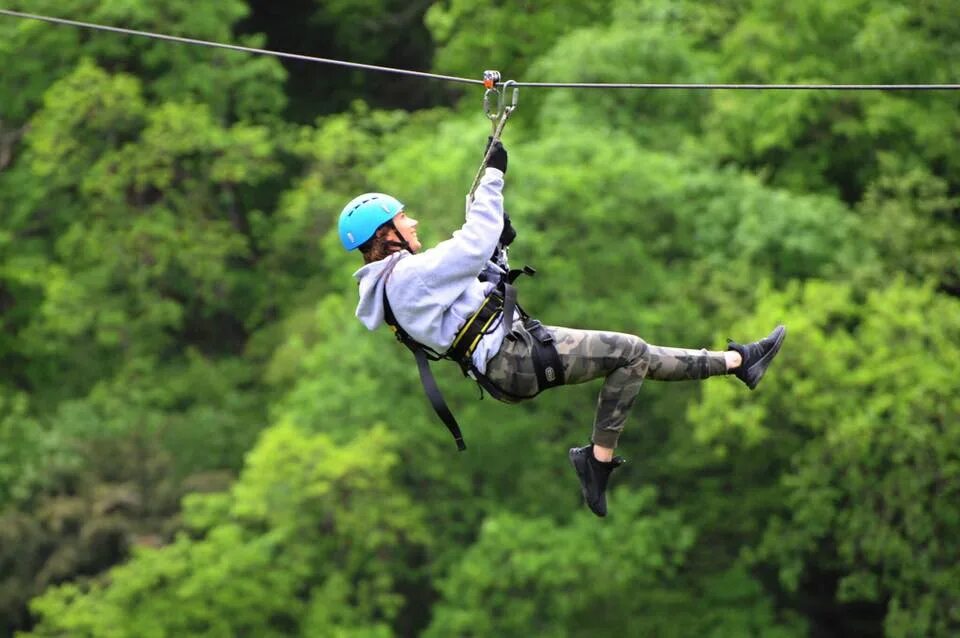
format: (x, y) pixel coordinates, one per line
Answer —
(465, 255)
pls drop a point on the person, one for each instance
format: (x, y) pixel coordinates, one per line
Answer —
(432, 298)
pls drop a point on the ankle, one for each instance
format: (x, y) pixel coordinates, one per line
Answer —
(733, 359)
(602, 454)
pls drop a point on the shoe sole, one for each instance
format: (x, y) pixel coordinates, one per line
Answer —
(764, 362)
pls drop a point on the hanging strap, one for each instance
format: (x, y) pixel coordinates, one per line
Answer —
(510, 306)
(498, 116)
(546, 359)
(436, 397)
(430, 387)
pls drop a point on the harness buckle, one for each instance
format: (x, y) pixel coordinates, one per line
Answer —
(536, 329)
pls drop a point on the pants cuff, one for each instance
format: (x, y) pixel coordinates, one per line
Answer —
(606, 438)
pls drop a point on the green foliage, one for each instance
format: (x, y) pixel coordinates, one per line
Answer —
(309, 539)
(637, 50)
(867, 468)
(834, 140)
(910, 216)
(84, 521)
(125, 273)
(233, 85)
(21, 449)
(532, 576)
(624, 576)
(374, 37)
(121, 178)
(171, 283)
(506, 36)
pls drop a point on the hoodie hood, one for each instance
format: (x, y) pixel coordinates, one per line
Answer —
(372, 280)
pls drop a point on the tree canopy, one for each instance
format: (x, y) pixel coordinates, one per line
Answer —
(197, 437)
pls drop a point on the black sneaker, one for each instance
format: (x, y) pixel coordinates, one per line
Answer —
(593, 475)
(757, 356)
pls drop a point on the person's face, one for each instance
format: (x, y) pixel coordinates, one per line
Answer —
(407, 227)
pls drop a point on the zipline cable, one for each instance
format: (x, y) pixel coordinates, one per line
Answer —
(837, 87)
(234, 47)
(451, 78)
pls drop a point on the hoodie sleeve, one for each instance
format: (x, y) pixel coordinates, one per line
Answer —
(462, 257)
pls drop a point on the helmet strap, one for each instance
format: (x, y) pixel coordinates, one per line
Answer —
(402, 244)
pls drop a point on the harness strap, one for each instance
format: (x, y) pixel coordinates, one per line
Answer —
(546, 359)
(475, 328)
(436, 397)
(549, 368)
(430, 387)
(509, 308)
(510, 305)
(490, 388)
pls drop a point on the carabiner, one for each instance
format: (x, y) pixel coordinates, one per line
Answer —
(514, 98)
(493, 114)
(497, 117)
(490, 81)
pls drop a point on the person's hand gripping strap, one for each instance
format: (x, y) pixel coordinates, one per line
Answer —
(498, 155)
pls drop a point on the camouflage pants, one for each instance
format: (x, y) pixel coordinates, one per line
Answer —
(623, 360)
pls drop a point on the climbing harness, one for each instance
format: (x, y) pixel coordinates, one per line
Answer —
(495, 310)
(498, 308)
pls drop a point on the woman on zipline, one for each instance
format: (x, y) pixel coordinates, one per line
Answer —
(455, 301)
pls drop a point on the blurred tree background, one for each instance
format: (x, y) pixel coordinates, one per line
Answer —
(197, 438)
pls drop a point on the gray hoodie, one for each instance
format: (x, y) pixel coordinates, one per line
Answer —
(434, 292)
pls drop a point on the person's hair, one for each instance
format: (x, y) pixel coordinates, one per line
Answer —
(378, 246)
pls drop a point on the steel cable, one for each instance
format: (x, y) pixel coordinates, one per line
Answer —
(451, 78)
(234, 47)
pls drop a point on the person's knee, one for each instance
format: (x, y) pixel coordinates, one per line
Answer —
(635, 353)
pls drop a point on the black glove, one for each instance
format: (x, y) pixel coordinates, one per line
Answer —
(509, 232)
(498, 157)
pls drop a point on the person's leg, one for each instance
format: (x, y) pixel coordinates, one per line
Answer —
(624, 361)
(512, 368)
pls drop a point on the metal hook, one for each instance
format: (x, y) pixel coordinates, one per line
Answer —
(515, 97)
(494, 113)
(498, 118)
(499, 115)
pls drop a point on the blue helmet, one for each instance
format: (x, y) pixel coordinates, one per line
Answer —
(361, 218)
